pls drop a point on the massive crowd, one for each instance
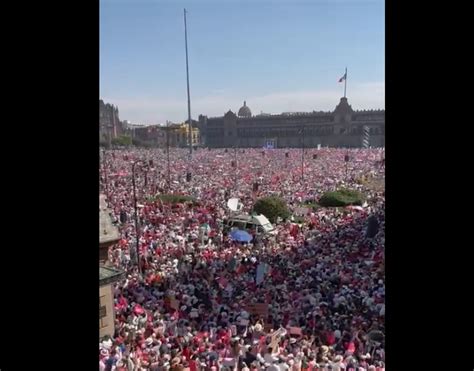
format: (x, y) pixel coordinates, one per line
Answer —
(196, 304)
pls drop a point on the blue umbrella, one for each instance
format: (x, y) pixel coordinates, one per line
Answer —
(241, 236)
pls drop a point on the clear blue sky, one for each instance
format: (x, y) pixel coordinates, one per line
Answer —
(277, 55)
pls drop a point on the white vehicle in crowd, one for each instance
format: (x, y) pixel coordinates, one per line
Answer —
(243, 221)
(250, 222)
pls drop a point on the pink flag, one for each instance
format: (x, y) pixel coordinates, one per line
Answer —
(223, 282)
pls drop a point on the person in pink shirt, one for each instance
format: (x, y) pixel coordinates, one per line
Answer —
(169, 234)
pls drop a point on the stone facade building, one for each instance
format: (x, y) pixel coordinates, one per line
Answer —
(152, 135)
(179, 135)
(108, 275)
(174, 135)
(110, 126)
(342, 127)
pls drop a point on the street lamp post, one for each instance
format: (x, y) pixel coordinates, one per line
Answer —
(168, 152)
(346, 160)
(235, 170)
(137, 229)
(190, 126)
(302, 154)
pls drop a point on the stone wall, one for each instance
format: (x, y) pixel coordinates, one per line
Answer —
(110, 126)
(340, 128)
(106, 322)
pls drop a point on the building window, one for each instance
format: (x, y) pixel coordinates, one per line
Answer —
(102, 312)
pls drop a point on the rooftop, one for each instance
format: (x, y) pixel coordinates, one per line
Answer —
(108, 233)
(109, 275)
(245, 111)
(343, 104)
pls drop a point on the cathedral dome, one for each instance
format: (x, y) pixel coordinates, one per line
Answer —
(244, 111)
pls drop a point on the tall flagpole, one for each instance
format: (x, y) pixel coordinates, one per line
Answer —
(345, 83)
(302, 153)
(189, 99)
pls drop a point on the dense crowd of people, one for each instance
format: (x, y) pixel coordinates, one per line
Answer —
(194, 302)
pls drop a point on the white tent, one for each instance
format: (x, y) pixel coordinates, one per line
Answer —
(264, 222)
(234, 204)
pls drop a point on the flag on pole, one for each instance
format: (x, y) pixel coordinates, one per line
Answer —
(343, 77)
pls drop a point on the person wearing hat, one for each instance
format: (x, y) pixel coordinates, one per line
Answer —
(175, 362)
(149, 341)
(338, 363)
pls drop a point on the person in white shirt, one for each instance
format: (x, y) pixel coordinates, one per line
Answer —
(269, 357)
(272, 367)
(283, 366)
(260, 358)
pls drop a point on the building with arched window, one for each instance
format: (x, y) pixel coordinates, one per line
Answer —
(108, 275)
(342, 127)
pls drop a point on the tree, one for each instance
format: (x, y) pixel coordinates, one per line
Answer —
(173, 198)
(272, 208)
(122, 140)
(341, 197)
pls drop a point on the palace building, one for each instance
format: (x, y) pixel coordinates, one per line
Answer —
(342, 127)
